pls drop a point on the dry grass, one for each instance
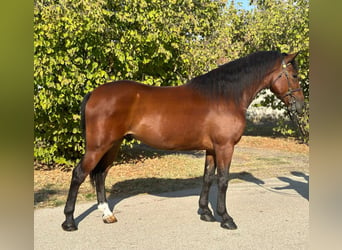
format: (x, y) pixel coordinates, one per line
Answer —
(282, 144)
(149, 171)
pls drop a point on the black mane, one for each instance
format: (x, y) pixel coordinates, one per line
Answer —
(231, 79)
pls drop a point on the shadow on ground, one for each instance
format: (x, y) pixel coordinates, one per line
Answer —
(44, 194)
(300, 187)
(163, 185)
(114, 198)
(128, 188)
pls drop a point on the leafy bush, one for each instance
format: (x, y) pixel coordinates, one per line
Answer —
(300, 125)
(69, 61)
(79, 45)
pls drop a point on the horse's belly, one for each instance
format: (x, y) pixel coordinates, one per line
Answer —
(172, 136)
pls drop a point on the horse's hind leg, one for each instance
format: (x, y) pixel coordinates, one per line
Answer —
(79, 174)
(98, 175)
(208, 177)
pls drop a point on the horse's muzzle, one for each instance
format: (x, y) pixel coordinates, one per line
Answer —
(299, 107)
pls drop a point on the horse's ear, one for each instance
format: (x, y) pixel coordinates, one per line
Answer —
(290, 57)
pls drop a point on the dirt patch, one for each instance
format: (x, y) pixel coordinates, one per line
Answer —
(144, 170)
(281, 144)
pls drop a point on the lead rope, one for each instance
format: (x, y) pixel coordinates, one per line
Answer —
(297, 122)
(291, 111)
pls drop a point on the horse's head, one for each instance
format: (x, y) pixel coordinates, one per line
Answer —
(285, 84)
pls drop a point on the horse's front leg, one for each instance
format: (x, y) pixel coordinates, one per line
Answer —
(208, 177)
(223, 160)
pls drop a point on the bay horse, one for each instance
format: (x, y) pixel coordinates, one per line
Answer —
(207, 113)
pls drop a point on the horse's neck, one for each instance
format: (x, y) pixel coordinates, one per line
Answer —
(251, 92)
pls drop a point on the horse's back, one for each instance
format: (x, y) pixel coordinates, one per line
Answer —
(130, 92)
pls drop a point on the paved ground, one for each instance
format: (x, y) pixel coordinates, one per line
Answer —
(273, 215)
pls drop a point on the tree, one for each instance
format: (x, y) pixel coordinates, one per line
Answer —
(79, 45)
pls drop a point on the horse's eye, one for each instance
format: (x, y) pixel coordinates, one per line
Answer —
(295, 76)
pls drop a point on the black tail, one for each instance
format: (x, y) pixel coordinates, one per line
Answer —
(83, 104)
(83, 129)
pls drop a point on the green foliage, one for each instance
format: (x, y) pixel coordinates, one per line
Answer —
(304, 125)
(79, 45)
(69, 61)
(299, 127)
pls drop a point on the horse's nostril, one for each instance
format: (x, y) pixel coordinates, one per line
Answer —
(300, 108)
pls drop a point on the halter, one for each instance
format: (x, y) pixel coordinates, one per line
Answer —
(290, 90)
(292, 106)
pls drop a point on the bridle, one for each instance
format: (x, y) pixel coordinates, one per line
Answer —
(291, 109)
(290, 91)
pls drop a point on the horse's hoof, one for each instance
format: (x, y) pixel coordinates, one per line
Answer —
(109, 219)
(208, 217)
(229, 224)
(69, 226)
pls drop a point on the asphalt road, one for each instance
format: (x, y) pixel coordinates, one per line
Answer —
(273, 215)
